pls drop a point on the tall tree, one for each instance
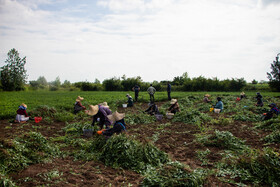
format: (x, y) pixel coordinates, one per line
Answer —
(274, 75)
(13, 74)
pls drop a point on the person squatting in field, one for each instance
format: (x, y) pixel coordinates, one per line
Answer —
(151, 91)
(174, 108)
(219, 106)
(206, 98)
(242, 95)
(129, 101)
(119, 125)
(99, 113)
(78, 105)
(274, 111)
(153, 109)
(22, 115)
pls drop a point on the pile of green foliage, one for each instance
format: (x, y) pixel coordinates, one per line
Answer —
(223, 139)
(272, 124)
(274, 137)
(27, 149)
(126, 152)
(173, 174)
(258, 166)
(191, 116)
(141, 118)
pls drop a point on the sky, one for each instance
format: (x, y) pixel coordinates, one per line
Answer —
(84, 40)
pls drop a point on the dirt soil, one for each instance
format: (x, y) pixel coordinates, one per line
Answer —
(176, 139)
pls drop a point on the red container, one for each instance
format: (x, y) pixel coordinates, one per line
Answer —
(37, 119)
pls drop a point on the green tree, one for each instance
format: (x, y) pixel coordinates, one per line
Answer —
(274, 75)
(66, 84)
(55, 85)
(13, 74)
(113, 84)
(42, 81)
(254, 82)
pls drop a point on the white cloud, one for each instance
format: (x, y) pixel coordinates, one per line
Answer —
(154, 39)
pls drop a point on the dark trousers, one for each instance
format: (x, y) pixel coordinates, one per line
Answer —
(152, 98)
(136, 96)
(169, 97)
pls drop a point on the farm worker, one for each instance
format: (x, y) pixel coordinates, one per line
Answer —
(99, 113)
(129, 101)
(78, 105)
(22, 115)
(153, 109)
(242, 95)
(273, 111)
(206, 98)
(174, 106)
(119, 125)
(136, 90)
(105, 104)
(151, 91)
(168, 89)
(259, 100)
(219, 105)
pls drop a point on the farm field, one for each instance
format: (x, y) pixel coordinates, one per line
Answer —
(195, 148)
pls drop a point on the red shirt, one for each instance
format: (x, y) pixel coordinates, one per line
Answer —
(22, 112)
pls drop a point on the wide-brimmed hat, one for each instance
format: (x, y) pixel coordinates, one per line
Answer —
(116, 116)
(105, 104)
(173, 101)
(127, 95)
(79, 98)
(92, 110)
(272, 105)
(242, 93)
(207, 95)
(24, 105)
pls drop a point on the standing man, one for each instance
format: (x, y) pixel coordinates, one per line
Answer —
(168, 90)
(151, 91)
(136, 90)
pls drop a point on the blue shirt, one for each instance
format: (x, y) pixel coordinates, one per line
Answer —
(219, 105)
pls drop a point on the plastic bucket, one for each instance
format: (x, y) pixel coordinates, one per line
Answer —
(88, 131)
(124, 105)
(217, 111)
(169, 115)
(37, 119)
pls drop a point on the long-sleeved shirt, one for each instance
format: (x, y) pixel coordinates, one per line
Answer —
(168, 88)
(102, 114)
(219, 105)
(22, 111)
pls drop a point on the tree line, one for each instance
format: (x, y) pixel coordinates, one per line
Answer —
(13, 77)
